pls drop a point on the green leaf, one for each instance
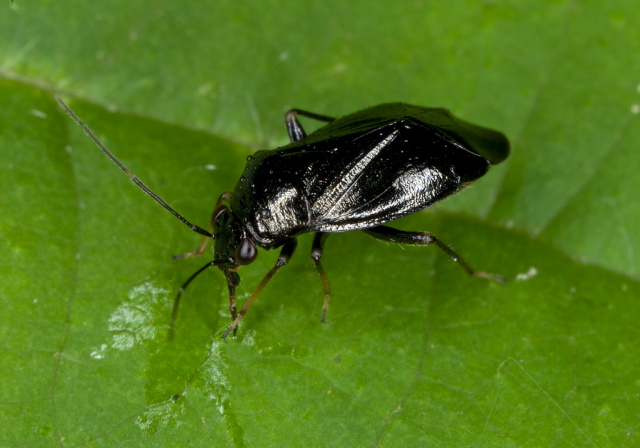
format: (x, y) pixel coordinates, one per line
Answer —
(415, 353)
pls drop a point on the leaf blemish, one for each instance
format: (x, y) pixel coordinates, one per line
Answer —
(135, 319)
(532, 272)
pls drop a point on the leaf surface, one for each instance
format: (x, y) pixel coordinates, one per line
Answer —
(415, 352)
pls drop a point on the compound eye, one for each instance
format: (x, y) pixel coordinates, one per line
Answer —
(246, 252)
(219, 210)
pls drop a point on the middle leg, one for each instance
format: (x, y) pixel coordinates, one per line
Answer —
(316, 252)
(294, 128)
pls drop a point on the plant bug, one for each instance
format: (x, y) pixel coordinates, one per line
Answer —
(357, 172)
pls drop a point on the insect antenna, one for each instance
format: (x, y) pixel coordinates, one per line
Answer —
(133, 178)
(176, 301)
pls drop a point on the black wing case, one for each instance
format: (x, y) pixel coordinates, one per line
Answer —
(391, 172)
(404, 159)
(369, 168)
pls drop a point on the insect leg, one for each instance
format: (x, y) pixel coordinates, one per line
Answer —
(284, 257)
(201, 247)
(233, 280)
(224, 197)
(294, 128)
(316, 253)
(392, 235)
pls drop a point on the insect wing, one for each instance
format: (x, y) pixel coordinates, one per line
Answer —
(381, 175)
(490, 144)
(362, 170)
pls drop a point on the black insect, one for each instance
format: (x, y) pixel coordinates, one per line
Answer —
(357, 172)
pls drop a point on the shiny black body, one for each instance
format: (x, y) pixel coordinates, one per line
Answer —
(358, 172)
(362, 170)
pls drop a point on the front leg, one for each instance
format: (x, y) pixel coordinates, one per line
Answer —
(392, 235)
(224, 197)
(233, 280)
(285, 255)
